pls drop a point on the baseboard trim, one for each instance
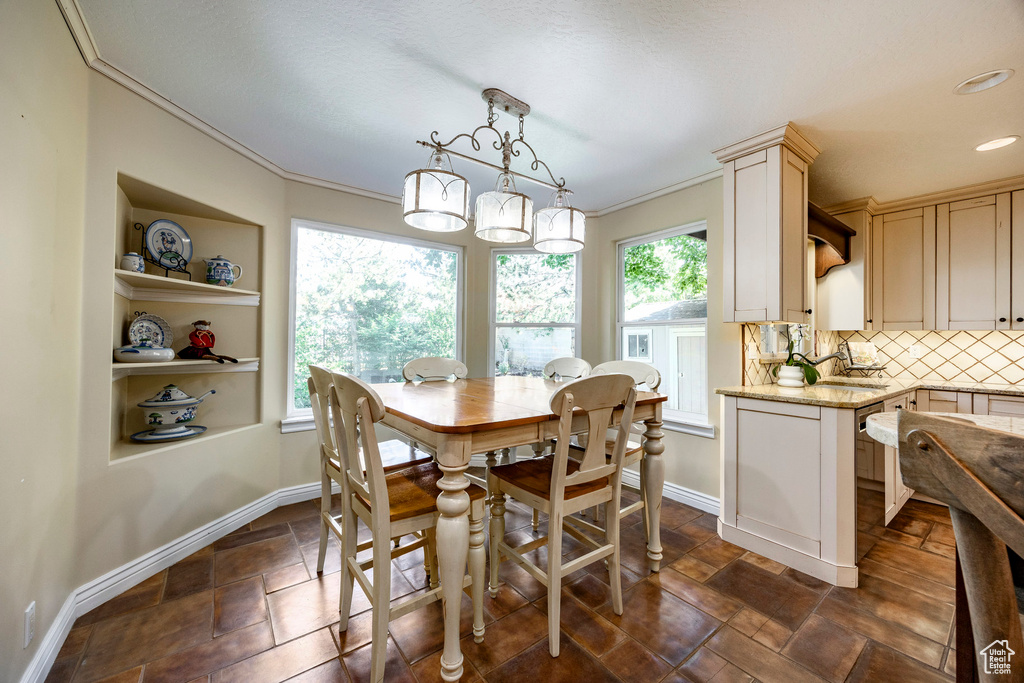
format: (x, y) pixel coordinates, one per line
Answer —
(115, 582)
(680, 494)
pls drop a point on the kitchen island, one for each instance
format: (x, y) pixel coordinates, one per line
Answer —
(792, 463)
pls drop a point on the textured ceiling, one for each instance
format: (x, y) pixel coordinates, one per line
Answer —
(628, 97)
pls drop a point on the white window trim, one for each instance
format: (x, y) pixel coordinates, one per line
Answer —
(671, 423)
(492, 306)
(301, 419)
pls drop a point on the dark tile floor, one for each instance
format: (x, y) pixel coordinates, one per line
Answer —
(251, 608)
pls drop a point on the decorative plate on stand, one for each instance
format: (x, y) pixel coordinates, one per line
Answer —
(152, 328)
(168, 244)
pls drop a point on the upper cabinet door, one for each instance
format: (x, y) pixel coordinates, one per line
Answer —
(765, 227)
(903, 268)
(973, 264)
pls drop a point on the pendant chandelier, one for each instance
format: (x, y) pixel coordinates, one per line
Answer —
(436, 198)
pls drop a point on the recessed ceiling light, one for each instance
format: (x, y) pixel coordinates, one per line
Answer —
(989, 79)
(997, 143)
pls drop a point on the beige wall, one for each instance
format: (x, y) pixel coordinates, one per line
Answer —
(127, 508)
(690, 461)
(42, 138)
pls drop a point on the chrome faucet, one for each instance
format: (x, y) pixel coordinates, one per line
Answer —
(838, 354)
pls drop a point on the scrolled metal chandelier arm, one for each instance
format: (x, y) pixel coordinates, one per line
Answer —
(504, 144)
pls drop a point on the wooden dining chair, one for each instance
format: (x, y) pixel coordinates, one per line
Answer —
(560, 486)
(432, 369)
(977, 472)
(394, 455)
(567, 368)
(643, 375)
(391, 505)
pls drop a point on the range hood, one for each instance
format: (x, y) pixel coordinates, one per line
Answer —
(831, 240)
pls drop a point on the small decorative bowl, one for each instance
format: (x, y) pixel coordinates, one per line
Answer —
(143, 352)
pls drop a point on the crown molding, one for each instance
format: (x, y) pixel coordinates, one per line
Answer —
(862, 204)
(696, 180)
(79, 30)
(90, 53)
(788, 135)
(954, 195)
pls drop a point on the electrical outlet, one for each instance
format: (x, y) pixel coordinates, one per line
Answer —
(30, 623)
(916, 351)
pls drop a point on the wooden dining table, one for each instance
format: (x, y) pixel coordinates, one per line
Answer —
(457, 419)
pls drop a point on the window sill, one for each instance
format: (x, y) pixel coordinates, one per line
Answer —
(299, 423)
(703, 430)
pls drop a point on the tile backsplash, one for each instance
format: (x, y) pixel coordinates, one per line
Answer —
(953, 355)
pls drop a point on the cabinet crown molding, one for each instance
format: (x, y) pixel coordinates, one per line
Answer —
(788, 135)
(868, 204)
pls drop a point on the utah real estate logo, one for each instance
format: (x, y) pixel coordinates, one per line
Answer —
(997, 657)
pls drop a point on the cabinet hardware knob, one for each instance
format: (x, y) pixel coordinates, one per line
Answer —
(871, 321)
(1020, 320)
(808, 311)
(1002, 320)
(913, 403)
(899, 406)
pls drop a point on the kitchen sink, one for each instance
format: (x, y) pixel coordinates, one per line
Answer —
(850, 387)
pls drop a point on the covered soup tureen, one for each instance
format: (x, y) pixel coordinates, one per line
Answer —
(169, 413)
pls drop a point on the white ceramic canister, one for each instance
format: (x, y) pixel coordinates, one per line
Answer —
(133, 262)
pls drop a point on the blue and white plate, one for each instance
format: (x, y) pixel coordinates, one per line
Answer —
(151, 328)
(169, 244)
(157, 435)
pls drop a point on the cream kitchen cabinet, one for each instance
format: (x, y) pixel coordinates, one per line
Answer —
(787, 492)
(996, 404)
(972, 264)
(765, 223)
(903, 270)
(939, 401)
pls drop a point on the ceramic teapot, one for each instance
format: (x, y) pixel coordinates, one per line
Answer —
(220, 271)
(170, 407)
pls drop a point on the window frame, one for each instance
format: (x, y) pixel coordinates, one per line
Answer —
(673, 420)
(492, 303)
(301, 419)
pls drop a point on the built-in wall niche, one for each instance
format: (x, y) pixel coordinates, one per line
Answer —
(234, 313)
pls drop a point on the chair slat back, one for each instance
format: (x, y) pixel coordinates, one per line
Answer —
(642, 373)
(356, 407)
(598, 397)
(433, 369)
(567, 368)
(319, 383)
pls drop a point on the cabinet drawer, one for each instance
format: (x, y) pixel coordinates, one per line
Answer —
(1006, 406)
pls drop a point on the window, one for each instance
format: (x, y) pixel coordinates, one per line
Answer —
(663, 312)
(367, 303)
(534, 310)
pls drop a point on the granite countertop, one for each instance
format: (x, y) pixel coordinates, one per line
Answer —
(830, 392)
(883, 427)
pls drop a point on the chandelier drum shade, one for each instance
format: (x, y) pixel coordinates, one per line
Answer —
(504, 215)
(559, 228)
(437, 199)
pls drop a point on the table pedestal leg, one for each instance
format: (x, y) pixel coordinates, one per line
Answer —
(652, 476)
(452, 550)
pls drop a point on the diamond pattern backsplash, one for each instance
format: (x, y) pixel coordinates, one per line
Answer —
(952, 355)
